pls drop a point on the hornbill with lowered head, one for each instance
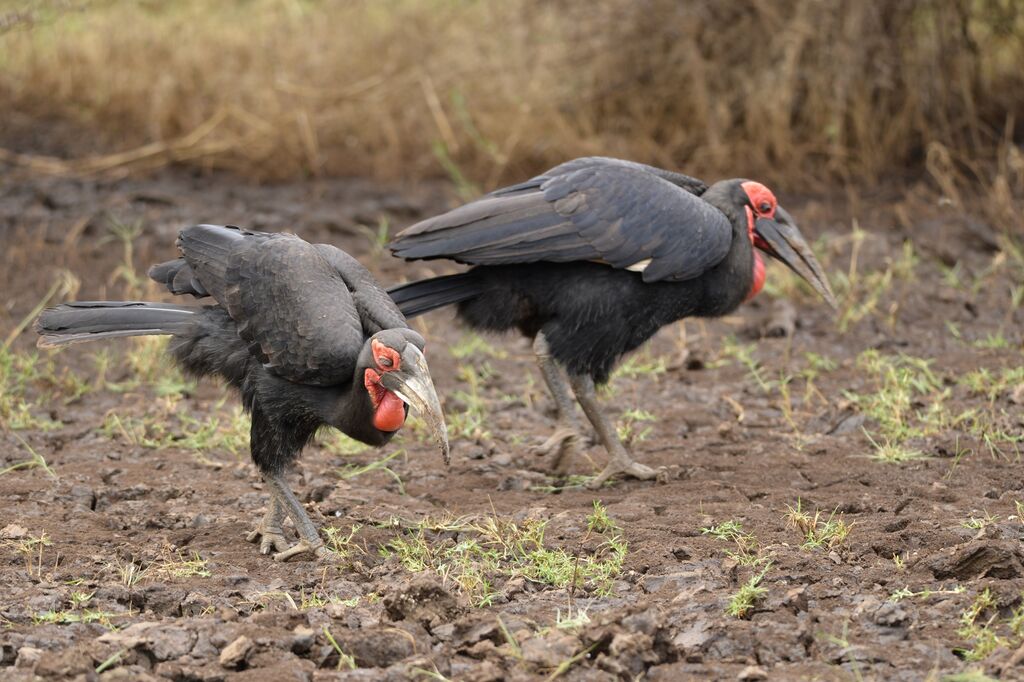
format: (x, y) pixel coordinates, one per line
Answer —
(301, 330)
(590, 259)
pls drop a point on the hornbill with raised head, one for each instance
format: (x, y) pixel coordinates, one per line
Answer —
(301, 330)
(590, 259)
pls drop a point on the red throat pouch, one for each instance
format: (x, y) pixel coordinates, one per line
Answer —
(388, 408)
(759, 277)
(390, 413)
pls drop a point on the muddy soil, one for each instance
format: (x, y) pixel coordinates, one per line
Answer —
(146, 573)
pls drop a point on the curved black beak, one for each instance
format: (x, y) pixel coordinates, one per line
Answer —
(413, 385)
(781, 239)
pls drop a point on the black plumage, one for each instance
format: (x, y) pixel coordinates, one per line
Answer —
(301, 330)
(591, 258)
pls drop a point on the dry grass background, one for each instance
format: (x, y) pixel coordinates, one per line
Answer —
(806, 91)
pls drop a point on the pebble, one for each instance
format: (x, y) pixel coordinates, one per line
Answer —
(752, 672)
(234, 654)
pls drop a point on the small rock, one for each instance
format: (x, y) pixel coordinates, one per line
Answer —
(170, 642)
(444, 631)
(835, 558)
(303, 639)
(752, 672)
(234, 654)
(548, 654)
(891, 615)
(13, 531)
(28, 656)
(796, 599)
(83, 497)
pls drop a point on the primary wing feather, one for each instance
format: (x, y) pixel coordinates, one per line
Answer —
(615, 212)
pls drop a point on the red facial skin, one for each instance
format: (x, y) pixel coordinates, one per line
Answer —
(764, 203)
(389, 410)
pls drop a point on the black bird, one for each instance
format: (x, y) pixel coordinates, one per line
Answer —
(301, 330)
(590, 259)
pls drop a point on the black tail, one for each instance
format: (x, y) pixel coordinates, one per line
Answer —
(88, 320)
(416, 298)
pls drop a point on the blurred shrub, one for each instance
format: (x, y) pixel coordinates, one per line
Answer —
(798, 90)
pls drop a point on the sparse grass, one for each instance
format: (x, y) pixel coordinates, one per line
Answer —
(570, 482)
(629, 427)
(747, 552)
(129, 573)
(224, 430)
(639, 365)
(817, 532)
(469, 420)
(907, 593)
(28, 382)
(31, 547)
(891, 452)
(35, 461)
(314, 599)
(337, 443)
(350, 471)
(861, 293)
(345, 661)
(110, 661)
(473, 347)
(477, 555)
(909, 401)
(977, 523)
(179, 564)
(571, 620)
(980, 632)
(743, 601)
(342, 544)
(70, 617)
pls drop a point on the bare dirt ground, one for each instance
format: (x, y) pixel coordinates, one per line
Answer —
(125, 556)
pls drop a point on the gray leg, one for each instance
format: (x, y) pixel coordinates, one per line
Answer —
(269, 533)
(309, 537)
(564, 442)
(619, 461)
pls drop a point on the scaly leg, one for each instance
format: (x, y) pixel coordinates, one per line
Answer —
(619, 460)
(309, 538)
(563, 444)
(269, 533)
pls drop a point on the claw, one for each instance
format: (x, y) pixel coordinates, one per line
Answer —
(271, 538)
(631, 469)
(562, 446)
(304, 547)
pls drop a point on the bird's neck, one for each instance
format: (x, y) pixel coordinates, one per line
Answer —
(353, 411)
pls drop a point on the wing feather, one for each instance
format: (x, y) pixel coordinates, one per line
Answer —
(304, 309)
(606, 210)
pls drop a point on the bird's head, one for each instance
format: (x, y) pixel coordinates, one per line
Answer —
(396, 377)
(772, 230)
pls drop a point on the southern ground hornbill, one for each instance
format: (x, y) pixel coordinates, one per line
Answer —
(590, 259)
(301, 330)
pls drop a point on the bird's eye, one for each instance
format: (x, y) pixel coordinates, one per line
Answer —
(384, 361)
(764, 207)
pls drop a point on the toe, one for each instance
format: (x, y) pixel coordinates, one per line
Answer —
(300, 548)
(628, 468)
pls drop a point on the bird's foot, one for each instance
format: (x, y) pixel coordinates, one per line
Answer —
(318, 551)
(271, 538)
(560, 447)
(627, 467)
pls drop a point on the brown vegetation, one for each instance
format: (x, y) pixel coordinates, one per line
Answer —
(827, 90)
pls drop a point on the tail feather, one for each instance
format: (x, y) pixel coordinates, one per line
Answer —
(416, 298)
(89, 320)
